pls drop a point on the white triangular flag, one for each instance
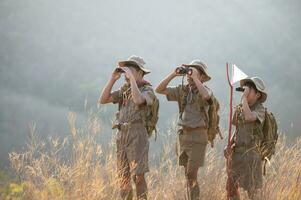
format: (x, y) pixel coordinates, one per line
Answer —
(237, 74)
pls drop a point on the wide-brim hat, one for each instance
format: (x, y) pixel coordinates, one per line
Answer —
(260, 86)
(200, 66)
(136, 61)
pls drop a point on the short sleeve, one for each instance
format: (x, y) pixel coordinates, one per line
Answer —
(259, 111)
(115, 96)
(148, 95)
(173, 93)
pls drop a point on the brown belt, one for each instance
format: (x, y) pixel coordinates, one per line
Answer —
(126, 124)
(189, 129)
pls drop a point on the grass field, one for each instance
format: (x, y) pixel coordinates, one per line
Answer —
(77, 167)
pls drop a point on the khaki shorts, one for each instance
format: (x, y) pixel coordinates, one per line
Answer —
(132, 150)
(191, 148)
(246, 169)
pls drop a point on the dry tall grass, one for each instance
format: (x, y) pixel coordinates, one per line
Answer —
(76, 167)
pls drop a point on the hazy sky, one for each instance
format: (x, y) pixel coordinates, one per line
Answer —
(55, 54)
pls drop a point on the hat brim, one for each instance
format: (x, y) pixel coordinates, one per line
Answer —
(200, 68)
(125, 62)
(264, 95)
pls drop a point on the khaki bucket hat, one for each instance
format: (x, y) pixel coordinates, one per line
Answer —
(260, 86)
(135, 60)
(200, 66)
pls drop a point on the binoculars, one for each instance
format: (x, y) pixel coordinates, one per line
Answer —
(183, 70)
(240, 89)
(119, 70)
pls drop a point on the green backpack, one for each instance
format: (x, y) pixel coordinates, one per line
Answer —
(150, 117)
(270, 136)
(213, 117)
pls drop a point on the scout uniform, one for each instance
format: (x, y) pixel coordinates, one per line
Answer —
(132, 137)
(246, 161)
(193, 126)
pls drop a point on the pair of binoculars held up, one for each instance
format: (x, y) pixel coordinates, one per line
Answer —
(119, 70)
(184, 70)
(240, 89)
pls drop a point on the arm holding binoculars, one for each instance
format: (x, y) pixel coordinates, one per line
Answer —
(105, 96)
(248, 114)
(205, 93)
(161, 88)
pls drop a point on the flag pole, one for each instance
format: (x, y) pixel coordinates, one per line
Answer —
(230, 182)
(231, 105)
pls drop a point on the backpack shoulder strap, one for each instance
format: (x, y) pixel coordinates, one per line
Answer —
(182, 102)
(122, 89)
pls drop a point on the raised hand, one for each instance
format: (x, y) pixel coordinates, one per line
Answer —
(115, 75)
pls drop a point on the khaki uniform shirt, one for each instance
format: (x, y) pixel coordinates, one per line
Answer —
(193, 116)
(246, 131)
(129, 111)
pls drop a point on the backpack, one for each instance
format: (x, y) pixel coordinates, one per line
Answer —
(270, 136)
(212, 116)
(149, 114)
(150, 117)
